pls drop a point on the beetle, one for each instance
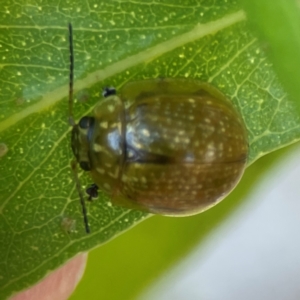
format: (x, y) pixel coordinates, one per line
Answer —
(168, 146)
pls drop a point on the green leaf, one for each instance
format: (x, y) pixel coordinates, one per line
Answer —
(278, 26)
(41, 224)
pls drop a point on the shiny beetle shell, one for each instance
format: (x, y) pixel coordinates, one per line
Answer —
(166, 146)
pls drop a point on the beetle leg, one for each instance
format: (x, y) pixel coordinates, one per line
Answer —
(108, 91)
(92, 191)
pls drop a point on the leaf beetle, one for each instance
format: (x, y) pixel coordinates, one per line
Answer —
(170, 146)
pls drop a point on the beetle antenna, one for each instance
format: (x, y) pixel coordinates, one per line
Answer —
(82, 202)
(71, 80)
(72, 121)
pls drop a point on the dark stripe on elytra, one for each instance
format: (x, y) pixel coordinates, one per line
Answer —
(145, 157)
